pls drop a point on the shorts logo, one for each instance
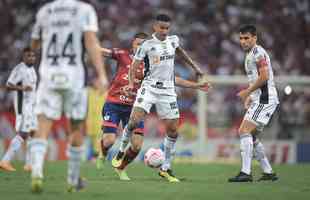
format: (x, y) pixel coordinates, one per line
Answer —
(173, 105)
(268, 115)
(106, 118)
(140, 100)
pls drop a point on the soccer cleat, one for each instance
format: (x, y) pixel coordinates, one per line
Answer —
(27, 168)
(118, 159)
(168, 175)
(241, 177)
(6, 166)
(100, 162)
(122, 174)
(79, 187)
(37, 185)
(268, 177)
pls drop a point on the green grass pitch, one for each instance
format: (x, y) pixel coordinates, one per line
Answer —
(201, 181)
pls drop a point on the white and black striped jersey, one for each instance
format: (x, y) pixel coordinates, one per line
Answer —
(60, 26)
(159, 59)
(23, 75)
(268, 92)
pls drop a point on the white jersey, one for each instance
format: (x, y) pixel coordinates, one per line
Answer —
(158, 58)
(24, 101)
(268, 92)
(60, 25)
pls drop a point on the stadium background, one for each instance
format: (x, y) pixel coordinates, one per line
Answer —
(208, 31)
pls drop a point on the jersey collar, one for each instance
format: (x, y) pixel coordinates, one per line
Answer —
(154, 36)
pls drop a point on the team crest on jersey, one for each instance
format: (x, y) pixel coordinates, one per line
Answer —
(106, 118)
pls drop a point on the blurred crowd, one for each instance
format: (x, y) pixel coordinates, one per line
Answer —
(208, 30)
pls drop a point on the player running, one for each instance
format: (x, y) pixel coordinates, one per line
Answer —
(261, 100)
(23, 80)
(62, 29)
(157, 88)
(118, 105)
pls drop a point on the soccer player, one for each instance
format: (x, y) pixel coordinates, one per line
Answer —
(118, 105)
(157, 88)
(23, 80)
(62, 29)
(261, 100)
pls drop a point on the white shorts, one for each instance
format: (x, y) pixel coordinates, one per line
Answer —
(26, 122)
(166, 105)
(71, 102)
(260, 114)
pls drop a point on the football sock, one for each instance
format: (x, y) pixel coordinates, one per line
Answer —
(125, 139)
(38, 149)
(260, 155)
(104, 148)
(28, 154)
(74, 164)
(246, 148)
(169, 149)
(13, 148)
(130, 155)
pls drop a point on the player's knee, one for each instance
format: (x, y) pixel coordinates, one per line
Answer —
(109, 139)
(76, 124)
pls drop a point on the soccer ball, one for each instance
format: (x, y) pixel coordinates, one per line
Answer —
(154, 158)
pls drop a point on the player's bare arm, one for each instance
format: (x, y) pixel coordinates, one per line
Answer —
(262, 79)
(131, 76)
(106, 52)
(94, 51)
(204, 86)
(181, 52)
(26, 88)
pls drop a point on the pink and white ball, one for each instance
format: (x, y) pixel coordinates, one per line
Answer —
(154, 158)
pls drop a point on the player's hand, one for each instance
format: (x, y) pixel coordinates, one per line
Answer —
(243, 94)
(204, 86)
(27, 88)
(247, 102)
(128, 90)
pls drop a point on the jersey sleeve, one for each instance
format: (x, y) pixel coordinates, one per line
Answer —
(36, 30)
(89, 19)
(260, 58)
(175, 41)
(141, 52)
(15, 76)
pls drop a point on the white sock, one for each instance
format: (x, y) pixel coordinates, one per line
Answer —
(74, 164)
(169, 150)
(125, 139)
(15, 145)
(260, 155)
(38, 149)
(246, 147)
(28, 154)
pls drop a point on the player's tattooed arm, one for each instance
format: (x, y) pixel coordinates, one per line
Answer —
(262, 79)
(131, 77)
(106, 52)
(181, 52)
(204, 86)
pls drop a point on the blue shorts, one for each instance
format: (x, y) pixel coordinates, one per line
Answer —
(113, 114)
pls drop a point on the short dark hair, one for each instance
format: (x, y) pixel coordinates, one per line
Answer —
(163, 18)
(27, 49)
(248, 28)
(141, 35)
